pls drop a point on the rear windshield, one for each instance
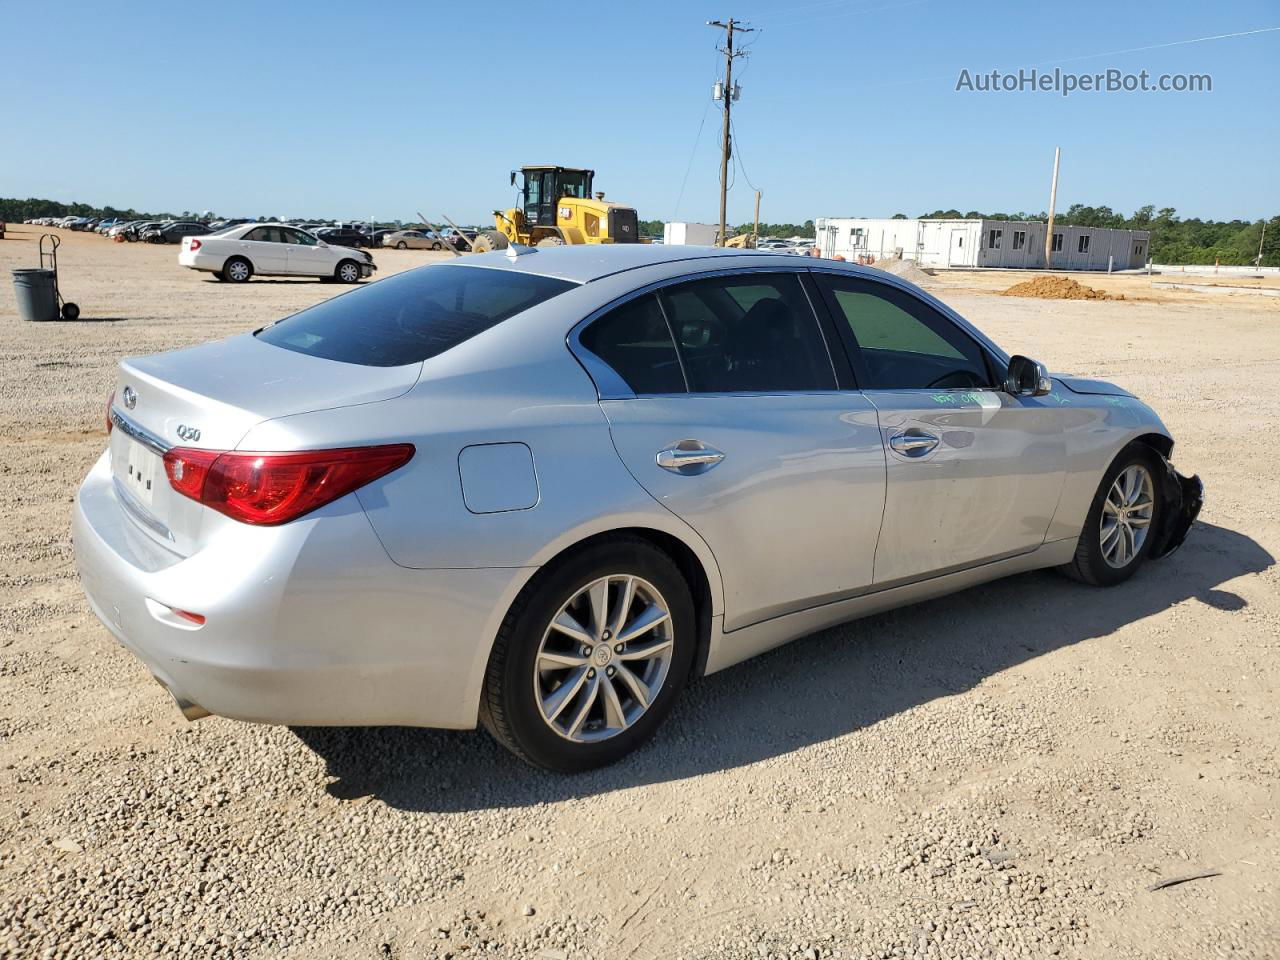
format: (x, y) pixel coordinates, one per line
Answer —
(412, 316)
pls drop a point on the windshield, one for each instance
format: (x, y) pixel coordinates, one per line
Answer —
(412, 316)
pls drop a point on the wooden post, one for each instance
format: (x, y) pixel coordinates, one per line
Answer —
(755, 234)
(1053, 201)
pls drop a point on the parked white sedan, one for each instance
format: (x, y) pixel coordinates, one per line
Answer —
(273, 250)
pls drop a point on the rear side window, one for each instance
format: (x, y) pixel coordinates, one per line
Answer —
(634, 340)
(750, 333)
(412, 316)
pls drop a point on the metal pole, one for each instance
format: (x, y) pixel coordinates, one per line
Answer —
(432, 227)
(730, 28)
(724, 142)
(465, 239)
(1053, 202)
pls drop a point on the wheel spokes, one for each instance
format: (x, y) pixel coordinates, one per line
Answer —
(650, 617)
(567, 624)
(603, 658)
(588, 701)
(553, 705)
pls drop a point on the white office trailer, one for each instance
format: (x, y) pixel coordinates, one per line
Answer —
(696, 234)
(982, 243)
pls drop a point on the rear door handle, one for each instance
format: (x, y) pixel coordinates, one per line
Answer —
(689, 457)
(913, 443)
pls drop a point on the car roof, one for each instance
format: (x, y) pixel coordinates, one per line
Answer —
(587, 262)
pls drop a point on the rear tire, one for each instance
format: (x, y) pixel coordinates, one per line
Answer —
(237, 270)
(551, 242)
(402, 245)
(348, 271)
(489, 240)
(1114, 546)
(70, 311)
(532, 661)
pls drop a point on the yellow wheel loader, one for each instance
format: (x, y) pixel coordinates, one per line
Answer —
(556, 208)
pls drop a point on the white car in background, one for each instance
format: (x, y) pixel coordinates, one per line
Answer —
(273, 250)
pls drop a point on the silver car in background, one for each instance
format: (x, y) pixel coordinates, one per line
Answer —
(542, 489)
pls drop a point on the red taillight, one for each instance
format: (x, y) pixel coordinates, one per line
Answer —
(266, 489)
(110, 423)
(195, 244)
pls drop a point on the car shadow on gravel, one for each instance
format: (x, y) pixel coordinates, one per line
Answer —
(818, 688)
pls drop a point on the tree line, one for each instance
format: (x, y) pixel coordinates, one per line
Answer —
(1173, 239)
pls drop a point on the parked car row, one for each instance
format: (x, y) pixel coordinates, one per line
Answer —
(345, 235)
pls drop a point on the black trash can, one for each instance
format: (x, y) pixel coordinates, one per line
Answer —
(36, 293)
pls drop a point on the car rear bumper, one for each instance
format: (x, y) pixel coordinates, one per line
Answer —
(309, 623)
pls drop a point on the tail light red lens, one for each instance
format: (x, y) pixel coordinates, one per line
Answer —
(268, 489)
(110, 401)
(195, 244)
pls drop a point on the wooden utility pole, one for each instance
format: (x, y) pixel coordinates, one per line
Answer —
(1053, 202)
(727, 95)
(755, 234)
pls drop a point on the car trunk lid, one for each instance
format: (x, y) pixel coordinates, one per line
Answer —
(208, 397)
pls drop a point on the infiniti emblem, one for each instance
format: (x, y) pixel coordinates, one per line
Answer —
(130, 398)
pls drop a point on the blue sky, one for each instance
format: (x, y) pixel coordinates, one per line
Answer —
(848, 108)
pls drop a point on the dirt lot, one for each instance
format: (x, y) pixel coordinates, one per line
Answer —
(1002, 773)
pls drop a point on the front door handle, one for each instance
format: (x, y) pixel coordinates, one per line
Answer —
(913, 443)
(689, 457)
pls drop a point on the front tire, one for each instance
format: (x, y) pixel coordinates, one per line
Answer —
(591, 657)
(237, 270)
(348, 271)
(1117, 531)
(402, 245)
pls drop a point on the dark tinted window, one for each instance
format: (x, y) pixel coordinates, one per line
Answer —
(412, 316)
(748, 333)
(634, 340)
(900, 342)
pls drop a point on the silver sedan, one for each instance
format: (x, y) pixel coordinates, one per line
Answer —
(543, 489)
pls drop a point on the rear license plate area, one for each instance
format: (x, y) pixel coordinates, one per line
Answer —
(141, 472)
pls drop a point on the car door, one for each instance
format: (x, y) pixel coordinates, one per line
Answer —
(305, 255)
(974, 474)
(264, 247)
(724, 406)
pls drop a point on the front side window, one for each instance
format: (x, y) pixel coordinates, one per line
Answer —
(412, 316)
(298, 237)
(899, 342)
(748, 333)
(635, 341)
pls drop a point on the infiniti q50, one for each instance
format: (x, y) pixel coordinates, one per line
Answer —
(541, 490)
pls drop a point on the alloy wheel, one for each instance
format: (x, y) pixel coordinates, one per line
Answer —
(1126, 516)
(603, 659)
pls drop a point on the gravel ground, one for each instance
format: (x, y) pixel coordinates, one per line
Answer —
(1001, 773)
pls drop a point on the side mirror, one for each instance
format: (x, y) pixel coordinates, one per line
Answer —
(1026, 378)
(320, 243)
(513, 178)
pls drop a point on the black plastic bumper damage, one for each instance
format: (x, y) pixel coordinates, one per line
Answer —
(1182, 499)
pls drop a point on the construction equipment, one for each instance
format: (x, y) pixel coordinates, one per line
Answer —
(557, 207)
